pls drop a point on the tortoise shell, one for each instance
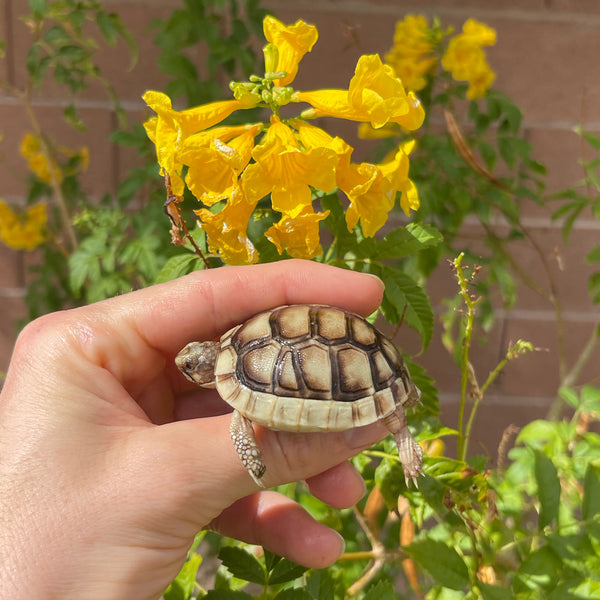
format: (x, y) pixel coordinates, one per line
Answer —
(311, 368)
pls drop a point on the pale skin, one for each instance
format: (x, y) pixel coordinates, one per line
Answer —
(111, 461)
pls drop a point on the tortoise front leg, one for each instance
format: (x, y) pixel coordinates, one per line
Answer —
(242, 434)
(410, 453)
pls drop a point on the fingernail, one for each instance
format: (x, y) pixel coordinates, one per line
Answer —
(363, 437)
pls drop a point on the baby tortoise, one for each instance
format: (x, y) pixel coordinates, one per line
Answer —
(306, 367)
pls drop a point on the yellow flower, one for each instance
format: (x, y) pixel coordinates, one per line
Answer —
(226, 230)
(44, 166)
(372, 191)
(374, 95)
(396, 172)
(23, 232)
(298, 235)
(215, 163)
(170, 128)
(370, 188)
(412, 54)
(38, 160)
(367, 132)
(292, 43)
(465, 59)
(287, 172)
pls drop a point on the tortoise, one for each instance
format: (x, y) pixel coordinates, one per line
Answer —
(306, 367)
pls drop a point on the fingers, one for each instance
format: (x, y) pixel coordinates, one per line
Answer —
(203, 460)
(341, 486)
(282, 526)
(205, 304)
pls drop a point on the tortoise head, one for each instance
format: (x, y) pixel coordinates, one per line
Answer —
(197, 362)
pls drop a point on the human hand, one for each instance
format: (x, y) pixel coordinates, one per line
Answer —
(111, 462)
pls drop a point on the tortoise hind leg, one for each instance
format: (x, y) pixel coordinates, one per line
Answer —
(410, 453)
(242, 434)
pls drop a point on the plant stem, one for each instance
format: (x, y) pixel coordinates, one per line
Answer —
(464, 362)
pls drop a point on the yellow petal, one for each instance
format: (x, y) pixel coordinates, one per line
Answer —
(292, 42)
(226, 231)
(298, 235)
(375, 95)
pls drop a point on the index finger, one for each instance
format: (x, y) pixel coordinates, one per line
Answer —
(204, 304)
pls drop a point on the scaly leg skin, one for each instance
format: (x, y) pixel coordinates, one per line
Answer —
(410, 453)
(242, 434)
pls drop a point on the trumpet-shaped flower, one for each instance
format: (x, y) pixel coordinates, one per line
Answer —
(465, 58)
(412, 56)
(214, 165)
(226, 230)
(170, 128)
(299, 235)
(287, 172)
(292, 43)
(374, 95)
(24, 232)
(372, 191)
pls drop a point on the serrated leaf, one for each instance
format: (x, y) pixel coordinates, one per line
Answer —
(320, 585)
(494, 592)
(400, 242)
(548, 485)
(182, 586)
(403, 297)
(344, 240)
(176, 266)
(284, 571)
(444, 563)
(382, 590)
(591, 492)
(389, 478)
(242, 564)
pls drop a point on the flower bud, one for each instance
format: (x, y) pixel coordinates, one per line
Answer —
(271, 54)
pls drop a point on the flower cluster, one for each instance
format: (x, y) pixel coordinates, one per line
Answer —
(465, 59)
(230, 169)
(23, 232)
(45, 166)
(418, 47)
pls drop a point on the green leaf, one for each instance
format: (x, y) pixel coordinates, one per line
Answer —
(494, 592)
(39, 7)
(226, 595)
(403, 297)
(541, 569)
(176, 266)
(293, 594)
(593, 255)
(400, 242)
(320, 584)
(382, 590)
(344, 240)
(443, 562)
(591, 492)
(72, 117)
(182, 586)
(548, 485)
(284, 571)
(242, 564)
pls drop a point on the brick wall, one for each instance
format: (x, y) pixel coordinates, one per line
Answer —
(546, 59)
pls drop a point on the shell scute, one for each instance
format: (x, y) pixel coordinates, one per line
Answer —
(315, 368)
(291, 322)
(354, 371)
